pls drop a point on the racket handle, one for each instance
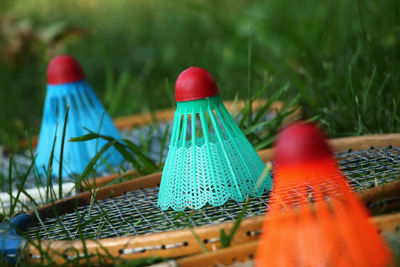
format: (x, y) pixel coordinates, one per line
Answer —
(10, 240)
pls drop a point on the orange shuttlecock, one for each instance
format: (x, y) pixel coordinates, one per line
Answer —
(314, 218)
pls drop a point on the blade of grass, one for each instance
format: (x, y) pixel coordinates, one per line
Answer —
(38, 217)
(257, 126)
(122, 148)
(10, 180)
(60, 175)
(92, 162)
(226, 239)
(14, 204)
(264, 174)
(122, 82)
(246, 109)
(201, 244)
(169, 93)
(49, 185)
(163, 142)
(249, 77)
(275, 96)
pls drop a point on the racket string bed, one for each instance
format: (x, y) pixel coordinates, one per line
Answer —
(364, 167)
(136, 212)
(150, 198)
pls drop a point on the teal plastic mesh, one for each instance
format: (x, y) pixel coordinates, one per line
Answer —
(209, 159)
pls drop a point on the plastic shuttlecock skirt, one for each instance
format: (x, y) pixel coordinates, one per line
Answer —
(318, 221)
(85, 111)
(328, 233)
(209, 159)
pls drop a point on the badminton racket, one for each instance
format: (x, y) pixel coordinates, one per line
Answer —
(123, 221)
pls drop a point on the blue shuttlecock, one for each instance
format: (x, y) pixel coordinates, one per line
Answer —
(209, 158)
(67, 87)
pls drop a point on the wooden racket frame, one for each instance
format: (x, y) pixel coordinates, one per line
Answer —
(247, 251)
(172, 244)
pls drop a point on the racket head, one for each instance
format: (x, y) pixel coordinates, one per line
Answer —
(209, 234)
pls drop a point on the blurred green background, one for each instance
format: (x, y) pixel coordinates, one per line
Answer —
(342, 57)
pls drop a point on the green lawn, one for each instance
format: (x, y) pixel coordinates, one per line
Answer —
(341, 57)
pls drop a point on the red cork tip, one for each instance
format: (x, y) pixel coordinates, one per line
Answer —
(64, 69)
(300, 143)
(195, 83)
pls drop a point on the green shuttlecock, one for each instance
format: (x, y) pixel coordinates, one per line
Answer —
(209, 158)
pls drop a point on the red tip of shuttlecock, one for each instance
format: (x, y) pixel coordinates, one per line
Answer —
(195, 83)
(304, 161)
(64, 69)
(301, 142)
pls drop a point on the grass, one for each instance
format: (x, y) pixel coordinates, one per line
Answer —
(340, 57)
